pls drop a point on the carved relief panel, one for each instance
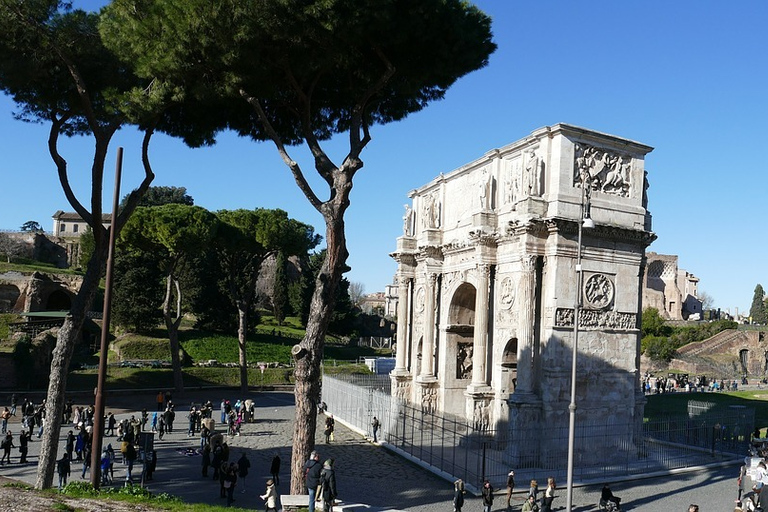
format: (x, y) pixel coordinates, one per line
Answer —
(608, 171)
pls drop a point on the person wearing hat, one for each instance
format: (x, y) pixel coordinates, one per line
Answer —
(328, 484)
(312, 470)
(270, 497)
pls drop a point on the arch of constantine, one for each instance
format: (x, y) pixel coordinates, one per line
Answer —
(487, 284)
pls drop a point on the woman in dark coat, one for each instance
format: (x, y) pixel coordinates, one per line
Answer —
(458, 495)
(328, 481)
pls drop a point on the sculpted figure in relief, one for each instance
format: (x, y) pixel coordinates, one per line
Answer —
(408, 221)
(431, 217)
(533, 174)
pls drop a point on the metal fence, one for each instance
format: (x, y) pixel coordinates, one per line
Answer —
(453, 447)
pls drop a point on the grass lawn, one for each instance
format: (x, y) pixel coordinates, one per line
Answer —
(676, 404)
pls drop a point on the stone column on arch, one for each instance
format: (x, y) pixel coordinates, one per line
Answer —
(428, 345)
(526, 320)
(480, 345)
(403, 321)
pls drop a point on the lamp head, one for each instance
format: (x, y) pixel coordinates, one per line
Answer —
(588, 223)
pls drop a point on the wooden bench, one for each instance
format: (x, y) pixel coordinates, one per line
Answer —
(292, 502)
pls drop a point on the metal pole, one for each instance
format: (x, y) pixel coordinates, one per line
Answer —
(575, 348)
(98, 419)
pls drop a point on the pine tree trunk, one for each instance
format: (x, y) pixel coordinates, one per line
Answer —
(242, 330)
(172, 324)
(68, 336)
(308, 354)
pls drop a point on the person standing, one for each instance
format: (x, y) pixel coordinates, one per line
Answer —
(487, 496)
(549, 495)
(375, 424)
(24, 446)
(223, 410)
(111, 422)
(70, 444)
(229, 483)
(160, 400)
(510, 486)
(693, 508)
(64, 469)
(270, 497)
(243, 464)
(313, 468)
(14, 404)
(5, 416)
(206, 459)
(274, 468)
(458, 495)
(328, 483)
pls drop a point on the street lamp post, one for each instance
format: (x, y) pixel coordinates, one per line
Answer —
(585, 221)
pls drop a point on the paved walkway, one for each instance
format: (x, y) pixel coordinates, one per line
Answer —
(369, 476)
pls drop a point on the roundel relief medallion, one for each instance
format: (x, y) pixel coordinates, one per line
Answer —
(420, 296)
(599, 291)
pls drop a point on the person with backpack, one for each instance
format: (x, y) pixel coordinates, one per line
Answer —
(312, 470)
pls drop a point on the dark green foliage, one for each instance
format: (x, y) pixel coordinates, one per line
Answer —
(87, 246)
(757, 311)
(280, 289)
(208, 298)
(33, 226)
(344, 319)
(138, 291)
(158, 196)
(653, 324)
(300, 292)
(661, 341)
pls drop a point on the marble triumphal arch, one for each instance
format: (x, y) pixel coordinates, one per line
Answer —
(487, 286)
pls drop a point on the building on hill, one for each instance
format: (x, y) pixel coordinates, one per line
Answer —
(71, 225)
(488, 282)
(670, 289)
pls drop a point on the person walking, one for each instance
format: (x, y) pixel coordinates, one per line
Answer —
(274, 468)
(328, 484)
(270, 497)
(64, 469)
(69, 445)
(330, 424)
(14, 404)
(111, 422)
(510, 486)
(375, 425)
(458, 495)
(130, 458)
(6, 445)
(534, 489)
(487, 496)
(243, 464)
(312, 470)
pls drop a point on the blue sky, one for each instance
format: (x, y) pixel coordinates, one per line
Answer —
(686, 77)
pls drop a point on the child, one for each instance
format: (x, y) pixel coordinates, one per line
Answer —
(270, 497)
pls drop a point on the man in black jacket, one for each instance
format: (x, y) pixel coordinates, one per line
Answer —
(313, 467)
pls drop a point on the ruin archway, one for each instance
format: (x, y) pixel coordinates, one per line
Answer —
(58, 300)
(460, 331)
(9, 298)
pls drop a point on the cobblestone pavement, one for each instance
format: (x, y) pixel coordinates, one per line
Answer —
(369, 476)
